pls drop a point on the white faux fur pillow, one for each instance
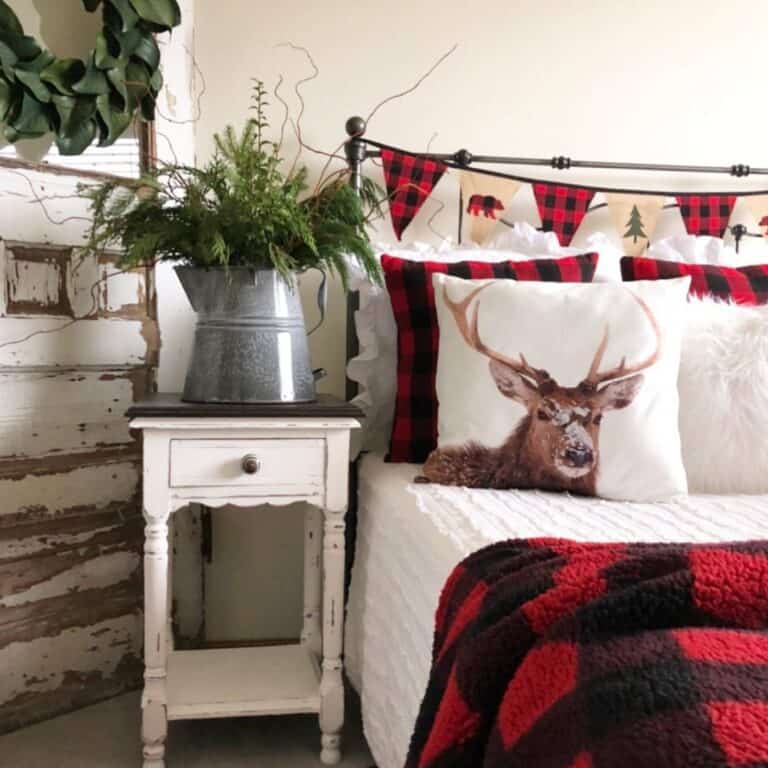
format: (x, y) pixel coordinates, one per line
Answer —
(723, 384)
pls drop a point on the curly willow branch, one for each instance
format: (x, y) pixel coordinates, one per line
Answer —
(388, 100)
(297, 90)
(198, 99)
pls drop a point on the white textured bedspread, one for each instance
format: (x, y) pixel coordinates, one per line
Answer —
(410, 537)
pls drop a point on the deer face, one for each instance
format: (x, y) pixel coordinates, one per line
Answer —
(564, 422)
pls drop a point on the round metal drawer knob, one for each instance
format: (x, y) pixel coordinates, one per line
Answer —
(250, 464)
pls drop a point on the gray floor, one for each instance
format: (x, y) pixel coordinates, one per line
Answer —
(107, 736)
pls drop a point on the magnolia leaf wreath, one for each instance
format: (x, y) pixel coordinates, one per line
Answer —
(80, 100)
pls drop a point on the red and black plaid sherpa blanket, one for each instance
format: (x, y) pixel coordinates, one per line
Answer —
(554, 654)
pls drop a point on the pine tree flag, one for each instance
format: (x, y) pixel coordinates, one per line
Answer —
(635, 217)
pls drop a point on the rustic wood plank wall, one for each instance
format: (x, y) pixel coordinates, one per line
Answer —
(70, 510)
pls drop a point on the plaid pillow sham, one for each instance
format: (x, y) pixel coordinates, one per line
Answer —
(743, 285)
(409, 283)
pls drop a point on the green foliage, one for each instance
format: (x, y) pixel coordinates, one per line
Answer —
(239, 209)
(78, 100)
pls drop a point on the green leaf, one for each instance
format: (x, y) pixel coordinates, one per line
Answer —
(8, 94)
(148, 51)
(107, 50)
(8, 61)
(137, 81)
(128, 18)
(91, 5)
(156, 82)
(28, 73)
(9, 20)
(93, 82)
(164, 13)
(32, 121)
(73, 111)
(113, 122)
(77, 128)
(78, 139)
(116, 77)
(23, 47)
(129, 41)
(32, 81)
(62, 74)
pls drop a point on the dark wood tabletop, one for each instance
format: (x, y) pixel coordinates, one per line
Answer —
(165, 404)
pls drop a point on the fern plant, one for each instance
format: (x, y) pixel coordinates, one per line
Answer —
(237, 210)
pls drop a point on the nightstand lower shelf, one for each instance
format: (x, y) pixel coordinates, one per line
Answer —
(242, 682)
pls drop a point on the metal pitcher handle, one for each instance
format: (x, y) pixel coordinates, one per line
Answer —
(322, 298)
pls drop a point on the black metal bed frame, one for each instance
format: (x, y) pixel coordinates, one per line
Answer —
(358, 149)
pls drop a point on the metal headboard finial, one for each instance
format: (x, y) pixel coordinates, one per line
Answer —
(355, 150)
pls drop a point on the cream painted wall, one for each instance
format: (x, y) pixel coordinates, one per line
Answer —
(653, 81)
(64, 26)
(606, 79)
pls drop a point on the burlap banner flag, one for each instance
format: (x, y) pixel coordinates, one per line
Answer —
(485, 199)
(410, 181)
(634, 217)
(562, 208)
(706, 214)
(758, 205)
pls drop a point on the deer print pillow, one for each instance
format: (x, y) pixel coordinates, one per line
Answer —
(560, 387)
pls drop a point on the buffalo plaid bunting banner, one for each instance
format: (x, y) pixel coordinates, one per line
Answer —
(562, 208)
(742, 285)
(570, 655)
(706, 214)
(410, 181)
(409, 284)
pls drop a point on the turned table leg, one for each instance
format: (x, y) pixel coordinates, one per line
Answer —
(331, 683)
(154, 723)
(311, 632)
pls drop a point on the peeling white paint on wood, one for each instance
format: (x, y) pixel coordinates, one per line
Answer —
(77, 658)
(101, 571)
(70, 527)
(74, 410)
(30, 282)
(50, 496)
(101, 342)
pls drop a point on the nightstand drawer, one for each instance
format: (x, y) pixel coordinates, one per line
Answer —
(278, 464)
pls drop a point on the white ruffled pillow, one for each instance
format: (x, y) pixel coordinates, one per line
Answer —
(723, 385)
(525, 239)
(703, 249)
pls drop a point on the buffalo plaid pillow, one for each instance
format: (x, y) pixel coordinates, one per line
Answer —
(414, 430)
(743, 285)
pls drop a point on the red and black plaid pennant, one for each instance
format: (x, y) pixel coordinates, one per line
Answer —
(562, 208)
(410, 181)
(706, 214)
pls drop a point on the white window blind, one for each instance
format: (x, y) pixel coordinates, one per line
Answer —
(120, 159)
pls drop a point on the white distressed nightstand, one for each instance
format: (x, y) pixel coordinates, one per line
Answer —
(246, 456)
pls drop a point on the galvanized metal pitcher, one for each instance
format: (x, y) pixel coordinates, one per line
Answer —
(250, 340)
